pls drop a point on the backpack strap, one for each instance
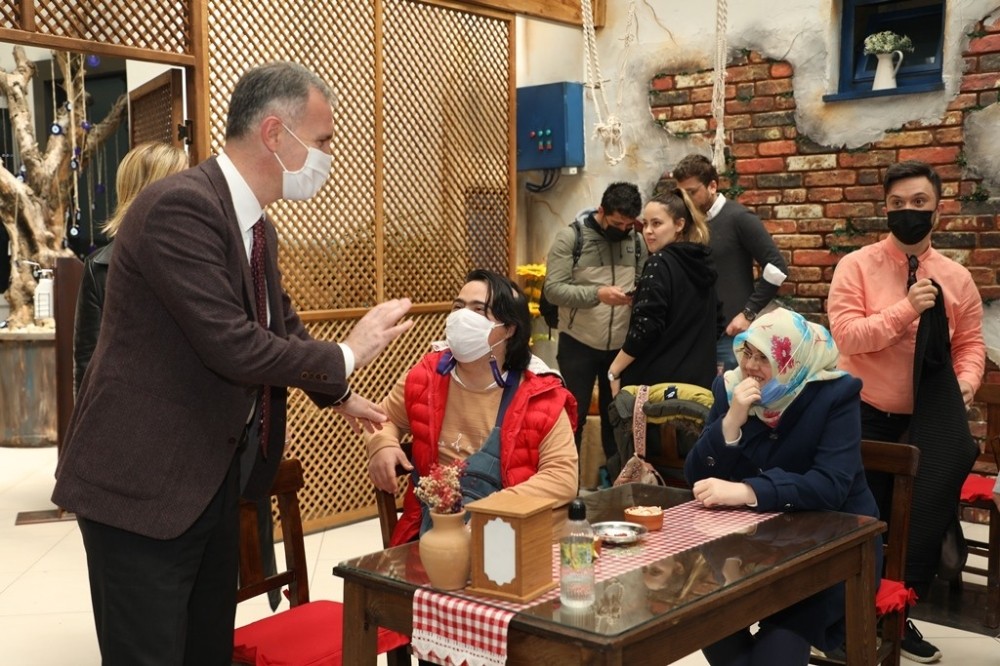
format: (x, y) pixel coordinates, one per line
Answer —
(639, 421)
(578, 242)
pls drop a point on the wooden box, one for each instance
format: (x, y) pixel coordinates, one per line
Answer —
(511, 546)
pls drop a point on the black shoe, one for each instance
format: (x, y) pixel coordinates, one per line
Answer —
(915, 648)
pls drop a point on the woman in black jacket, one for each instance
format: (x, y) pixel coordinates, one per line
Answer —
(144, 164)
(676, 316)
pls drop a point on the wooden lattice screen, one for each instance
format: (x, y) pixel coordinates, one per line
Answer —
(155, 110)
(157, 26)
(421, 191)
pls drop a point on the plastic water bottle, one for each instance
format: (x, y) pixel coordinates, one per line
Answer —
(43, 294)
(576, 555)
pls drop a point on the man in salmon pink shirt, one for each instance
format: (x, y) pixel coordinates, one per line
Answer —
(877, 296)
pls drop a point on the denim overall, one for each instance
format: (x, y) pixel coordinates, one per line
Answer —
(482, 472)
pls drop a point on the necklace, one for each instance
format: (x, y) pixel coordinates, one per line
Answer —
(454, 373)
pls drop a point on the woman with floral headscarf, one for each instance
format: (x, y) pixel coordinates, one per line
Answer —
(784, 434)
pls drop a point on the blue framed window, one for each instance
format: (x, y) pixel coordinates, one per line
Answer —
(921, 20)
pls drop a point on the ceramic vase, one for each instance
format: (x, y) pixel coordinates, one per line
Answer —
(885, 71)
(445, 551)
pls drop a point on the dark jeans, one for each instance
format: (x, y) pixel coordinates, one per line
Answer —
(770, 646)
(724, 354)
(580, 365)
(167, 602)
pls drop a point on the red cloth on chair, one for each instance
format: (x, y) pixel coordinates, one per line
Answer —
(893, 596)
(977, 488)
(307, 635)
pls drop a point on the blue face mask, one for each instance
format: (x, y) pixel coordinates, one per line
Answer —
(771, 391)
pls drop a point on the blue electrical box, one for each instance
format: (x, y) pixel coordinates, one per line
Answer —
(550, 126)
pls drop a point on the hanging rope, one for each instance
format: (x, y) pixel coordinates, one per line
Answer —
(608, 126)
(719, 87)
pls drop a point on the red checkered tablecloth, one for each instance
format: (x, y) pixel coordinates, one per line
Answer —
(452, 628)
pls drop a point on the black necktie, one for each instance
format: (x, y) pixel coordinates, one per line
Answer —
(912, 277)
(257, 255)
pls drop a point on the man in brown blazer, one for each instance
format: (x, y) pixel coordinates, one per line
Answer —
(172, 400)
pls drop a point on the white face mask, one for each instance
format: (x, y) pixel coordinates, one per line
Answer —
(307, 181)
(468, 335)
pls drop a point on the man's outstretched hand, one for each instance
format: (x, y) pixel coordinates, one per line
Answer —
(380, 326)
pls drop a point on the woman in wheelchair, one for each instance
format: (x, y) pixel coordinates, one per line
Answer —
(784, 434)
(475, 398)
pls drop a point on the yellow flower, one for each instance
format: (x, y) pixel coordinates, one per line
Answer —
(532, 276)
(531, 270)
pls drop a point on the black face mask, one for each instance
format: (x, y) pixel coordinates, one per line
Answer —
(910, 226)
(615, 235)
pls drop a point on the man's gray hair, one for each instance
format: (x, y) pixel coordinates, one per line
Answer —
(277, 88)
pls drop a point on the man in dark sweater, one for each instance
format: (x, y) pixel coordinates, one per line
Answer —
(738, 239)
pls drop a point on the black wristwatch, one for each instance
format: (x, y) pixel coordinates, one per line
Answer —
(749, 314)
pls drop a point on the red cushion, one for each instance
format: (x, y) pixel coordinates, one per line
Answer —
(307, 635)
(977, 488)
(893, 596)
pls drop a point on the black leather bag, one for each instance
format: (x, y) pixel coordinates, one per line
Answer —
(954, 553)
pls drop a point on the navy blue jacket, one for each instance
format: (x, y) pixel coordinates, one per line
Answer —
(810, 462)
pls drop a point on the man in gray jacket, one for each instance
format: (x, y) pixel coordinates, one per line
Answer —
(591, 281)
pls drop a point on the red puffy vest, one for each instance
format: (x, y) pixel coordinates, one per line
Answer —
(531, 414)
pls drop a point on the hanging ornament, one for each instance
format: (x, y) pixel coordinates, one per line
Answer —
(56, 129)
(68, 105)
(99, 188)
(93, 60)
(74, 231)
(86, 125)
(74, 164)
(22, 173)
(77, 151)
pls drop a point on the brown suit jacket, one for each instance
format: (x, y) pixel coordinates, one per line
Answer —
(179, 363)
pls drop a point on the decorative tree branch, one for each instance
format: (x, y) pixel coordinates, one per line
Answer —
(35, 210)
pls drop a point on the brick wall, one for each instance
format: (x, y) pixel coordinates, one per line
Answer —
(820, 202)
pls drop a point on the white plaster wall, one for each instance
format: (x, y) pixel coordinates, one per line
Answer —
(680, 36)
(673, 37)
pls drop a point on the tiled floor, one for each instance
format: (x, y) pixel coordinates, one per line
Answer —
(45, 617)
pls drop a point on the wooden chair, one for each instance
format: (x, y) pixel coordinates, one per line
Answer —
(899, 460)
(388, 508)
(989, 394)
(310, 631)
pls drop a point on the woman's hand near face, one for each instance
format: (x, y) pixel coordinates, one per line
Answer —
(746, 393)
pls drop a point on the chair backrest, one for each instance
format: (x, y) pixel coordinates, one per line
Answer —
(989, 394)
(901, 461)
(388, 505)
(253, 580)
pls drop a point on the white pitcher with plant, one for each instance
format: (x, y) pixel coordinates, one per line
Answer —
(888, 47)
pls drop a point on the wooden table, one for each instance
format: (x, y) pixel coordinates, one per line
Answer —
(782, 561)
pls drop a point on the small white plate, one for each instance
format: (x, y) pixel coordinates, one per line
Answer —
(618, 533)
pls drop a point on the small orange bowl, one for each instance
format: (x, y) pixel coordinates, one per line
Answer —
(650, 517)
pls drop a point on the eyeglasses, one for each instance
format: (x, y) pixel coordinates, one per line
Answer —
(756, 357)
(914, 263)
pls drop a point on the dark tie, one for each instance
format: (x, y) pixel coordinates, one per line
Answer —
(257, 256)
(914, 263)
